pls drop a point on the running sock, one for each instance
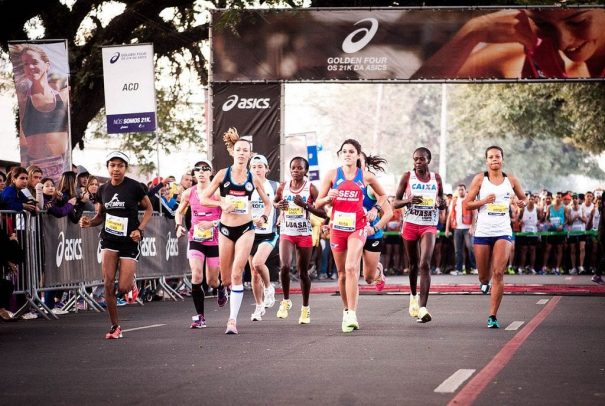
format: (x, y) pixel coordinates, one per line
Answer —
(197, 294)
(235, 301)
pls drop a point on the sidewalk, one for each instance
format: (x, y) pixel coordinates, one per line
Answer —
(469, 284)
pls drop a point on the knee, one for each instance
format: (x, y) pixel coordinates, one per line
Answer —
(352, 270)
(257, 264)
(235, 280)
(498, 276)
(284, 269)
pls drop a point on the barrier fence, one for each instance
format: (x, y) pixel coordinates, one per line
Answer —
(59, 255)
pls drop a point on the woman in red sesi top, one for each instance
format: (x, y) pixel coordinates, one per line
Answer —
(343, 188)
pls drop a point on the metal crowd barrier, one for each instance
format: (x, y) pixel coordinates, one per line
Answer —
(62, 256)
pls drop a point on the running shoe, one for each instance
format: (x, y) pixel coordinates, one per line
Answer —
(114, 333)
(556, 271)
(532, 271)
(259, 312)
(305, 315)
(510, 270)
(413, 306)
(284, 306)
(474, 272)
(573, 271)
(121, 302)
(222, 297)
(269, 296)
(131, 297)
(519, 271)
(198, 321)
(438, 271)
(231, 327)
(598, 279)
(423, 315)
(581, 270)
(485, 288)
(455, 273)
(381, 281)
(58, 311)
(492, 322)
(349, 321)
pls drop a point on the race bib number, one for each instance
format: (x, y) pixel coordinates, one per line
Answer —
(201, 235)
(497, 209)
(555, 221)
(531, 229)
(115, 225)
(428, 202)
(239, 203)
(344, 221)
(294, 211)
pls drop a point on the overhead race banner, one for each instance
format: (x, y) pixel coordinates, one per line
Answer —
(254, 110)
(414, 44)
(41, 74)
(128, 78)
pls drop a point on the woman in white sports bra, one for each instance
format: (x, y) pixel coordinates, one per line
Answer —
(491, 193)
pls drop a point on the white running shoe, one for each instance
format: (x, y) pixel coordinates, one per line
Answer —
(423, 315)
(269, 296)
(259, 312)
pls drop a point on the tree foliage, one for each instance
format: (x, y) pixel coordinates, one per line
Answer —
(179, 28)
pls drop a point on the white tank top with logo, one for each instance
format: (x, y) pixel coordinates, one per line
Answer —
(530, 220)
(493, 219)
(295, 221)
(258, 208)
(425, 213)
(577, 224)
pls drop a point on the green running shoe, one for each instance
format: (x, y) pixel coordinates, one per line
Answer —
(492, 322)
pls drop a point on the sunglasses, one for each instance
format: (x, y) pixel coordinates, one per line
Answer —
(203, 169)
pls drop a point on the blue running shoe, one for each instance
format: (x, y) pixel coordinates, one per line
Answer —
(492, 322)
(485, 288)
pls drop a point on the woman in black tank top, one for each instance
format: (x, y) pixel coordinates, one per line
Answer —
(236, 228)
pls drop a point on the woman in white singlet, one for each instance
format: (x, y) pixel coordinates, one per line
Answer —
(491, 194)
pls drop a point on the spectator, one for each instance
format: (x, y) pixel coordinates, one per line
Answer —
(599, 225)
(587, 210)
(34, 175)
(12, 195)
(577, 224)
(2, 181)
(11, 255)
(460, 221)
(92, 188)
(528, 219)
(52, 200)
(554, 221)
(82, 179)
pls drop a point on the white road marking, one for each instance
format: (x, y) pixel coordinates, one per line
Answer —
(514, 325)
(453, 382)
(542, 301)
(143, 328)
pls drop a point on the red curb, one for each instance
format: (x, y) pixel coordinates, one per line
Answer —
(531, 289)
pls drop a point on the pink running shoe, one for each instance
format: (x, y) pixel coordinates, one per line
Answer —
(114, 333)
(131, 297)
(231, 327)
(222, 297)
(382, 279)
(198, 321)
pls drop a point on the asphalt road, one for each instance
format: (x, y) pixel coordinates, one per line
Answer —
(555, 357)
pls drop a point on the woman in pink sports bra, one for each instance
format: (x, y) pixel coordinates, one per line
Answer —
(203, 240)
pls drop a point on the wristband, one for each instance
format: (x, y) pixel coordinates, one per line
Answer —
(140, 232)
(377, 207)
(375, 230)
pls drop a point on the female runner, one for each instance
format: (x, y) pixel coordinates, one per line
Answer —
(378, 217)
(236, 185)
(203, 240)
(491, 194)
(343, 188)
(265, 239)
(422, 192)
(295, 199)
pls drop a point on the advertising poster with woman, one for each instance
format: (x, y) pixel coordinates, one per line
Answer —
(41, 74)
